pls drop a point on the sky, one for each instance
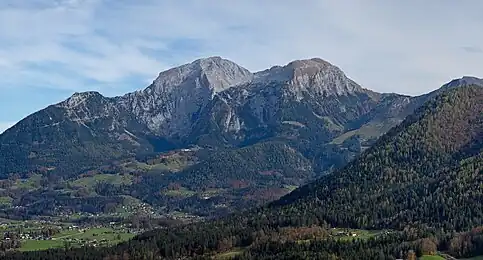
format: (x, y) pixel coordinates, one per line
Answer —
(50, 49)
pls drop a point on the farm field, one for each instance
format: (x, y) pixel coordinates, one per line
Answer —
(431, 257)
(230, 254)
(75, 238)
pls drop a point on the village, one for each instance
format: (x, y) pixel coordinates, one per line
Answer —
(38, 235)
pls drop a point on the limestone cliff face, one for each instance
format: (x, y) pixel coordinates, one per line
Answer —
(314, 76)
(171, 104)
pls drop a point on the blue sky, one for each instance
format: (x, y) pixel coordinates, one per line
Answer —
(52, 48)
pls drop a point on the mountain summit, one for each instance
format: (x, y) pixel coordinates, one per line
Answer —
(213, 73)
(314, 75)
(464, 81)
(167, 106)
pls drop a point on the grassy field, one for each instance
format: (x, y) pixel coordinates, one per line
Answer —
(182, 192)
(32, 182)
(5, 201)
(36, 245)
(212, 192)
(291, 188)
(359, 233)
(95, 233)
(174, 163)
(431, 257)
(367, 131)
(76, 237)
(229, 255)
(115, 179)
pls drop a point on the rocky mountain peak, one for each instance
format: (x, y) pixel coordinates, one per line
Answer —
(311, 75)
(79, 98)
(464, 81)
(291, 70)
(179, 94)
(311, 64)
(213, 73)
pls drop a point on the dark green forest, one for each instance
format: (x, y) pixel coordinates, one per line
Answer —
(426, 170)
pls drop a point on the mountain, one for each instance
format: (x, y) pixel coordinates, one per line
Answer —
(412, 190)
(204, 138)
(421, 178)
(88, 129)
(209, 102)
(306, 117)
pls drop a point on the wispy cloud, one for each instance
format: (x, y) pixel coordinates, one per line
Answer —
(62, 42)
(118, 45)
(473, 49)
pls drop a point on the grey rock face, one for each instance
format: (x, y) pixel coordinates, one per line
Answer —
(178, 95)
(177, 98)
(314, 76)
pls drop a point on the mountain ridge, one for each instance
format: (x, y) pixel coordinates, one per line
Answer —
(168, 115)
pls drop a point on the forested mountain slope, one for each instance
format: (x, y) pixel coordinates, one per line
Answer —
(426, 170)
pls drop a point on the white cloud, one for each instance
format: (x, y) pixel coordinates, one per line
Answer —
(392, 46)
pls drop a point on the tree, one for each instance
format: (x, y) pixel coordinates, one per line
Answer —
(411, 255)
(428, 247)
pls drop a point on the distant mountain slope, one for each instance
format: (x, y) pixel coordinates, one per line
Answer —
(69, 137)
(227, 180)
